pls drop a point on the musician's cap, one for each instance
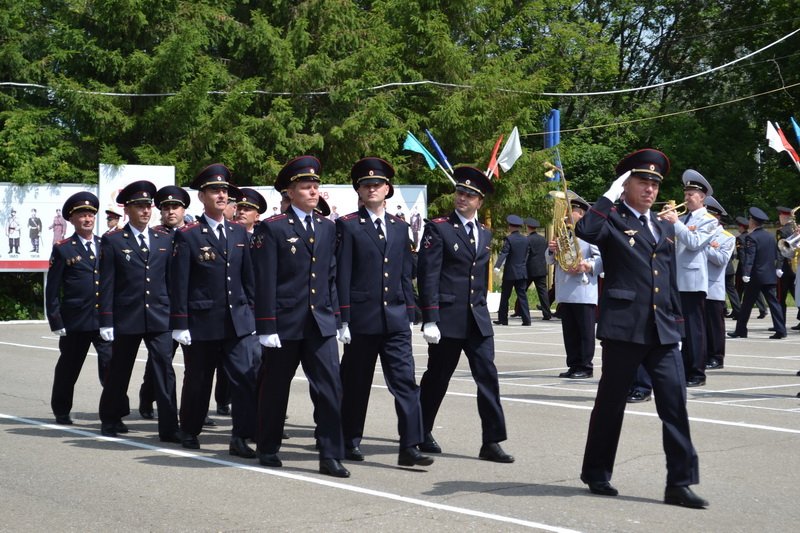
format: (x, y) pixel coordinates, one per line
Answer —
(647, 164)
(758, 215)
(172, 194)
(303, 168)
(713, 206)
(372, 171)
(694, 181)
(472, 181)
(742, 221)
(80, 201)
(531, 222)
(576, 201)
(784, 210)
(215, 174)
(252, 198)
(514, 220)
(138, 192)
(113, 211)
(322, 207)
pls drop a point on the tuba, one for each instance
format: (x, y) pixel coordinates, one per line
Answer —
(788, 247)
(568, 251)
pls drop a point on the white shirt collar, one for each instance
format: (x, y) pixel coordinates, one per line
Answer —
(464, 221)
(302, 214)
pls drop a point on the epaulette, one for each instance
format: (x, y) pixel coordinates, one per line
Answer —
(161, 228)
(192, 225)
(113, 231)
(349, 216)
(277, 217)
(395, 219)
(63, 241)
(727, 233)
(709, 215)
(439, 220)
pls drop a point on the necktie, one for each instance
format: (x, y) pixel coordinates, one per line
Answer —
(378, 227)
(647, 233)
(309, 228)
(89, 247)
(222, 239)
(471, 233)
(142, 243)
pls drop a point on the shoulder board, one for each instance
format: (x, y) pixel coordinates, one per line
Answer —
(277, 217)
(349, 216)
(396, 219)
(113, 231)
(189, 226)
(440, 220)
(323, 220)
(709, 215)
(62, 242)
(161, 229)
(727, 233)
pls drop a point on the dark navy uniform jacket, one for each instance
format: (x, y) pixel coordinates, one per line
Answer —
(208, 286)
(374, 301)
(133, 285)
(640, 302)
(760, 257)
(453, 276)
(537, 263)
(295, 278)
(514, 256)
(73, 282)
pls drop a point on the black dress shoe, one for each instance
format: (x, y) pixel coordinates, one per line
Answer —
(353, 454)
(515, 315)
(548, 317)
(796, 328)
(734, 335)
(411, 457)
(695, 382)
(239, 448)
(209, 423)
(332, 467)
(224, 410)
(638, 396)
(175, 437)
(269, 459)
(762, 315)
(580, 374)
(64, 420)
(714, 364)
(685, 497)
(190, 442)
(798, 373)
(147, 414)
(500, 322)
(778, 336)
(120, 427)
(771, 329)
(429, 445)
(491, 451)
(603, 488)
(108, 429)
(526, 323)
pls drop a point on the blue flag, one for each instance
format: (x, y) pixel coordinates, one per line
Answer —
(439, 151)
(796, 129)
(413, 144)
(552, 128)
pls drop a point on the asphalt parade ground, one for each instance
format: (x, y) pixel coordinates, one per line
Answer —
(745, 425)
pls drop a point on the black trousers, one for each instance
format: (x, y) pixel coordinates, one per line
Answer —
(577, 327)
(239, 358)
(442, 361)
(665, 366)
(693, 305)
(114, 400)
(319, 357)
(73, 347)
(520, 286)
(715, 330)
(751, 291)
(357, 371)
(542, 292)
(785, 288)
(733, 295)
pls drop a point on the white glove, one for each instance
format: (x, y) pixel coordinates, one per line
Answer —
(431, 333)
(746, 279)
(411, 326)
(270, 341)
(615, 191)
(60, 332)
(182, 336)
(107, 334)
(496, 270)
(343, 334)
(779, 273)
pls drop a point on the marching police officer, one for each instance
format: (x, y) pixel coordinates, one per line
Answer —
(297, 316)
(452, 278)
(576, 293)
(211, 298)
(513, 256)
(377, 303)
(250, 205)
(537, 266)
(786, 281)
(640, 323)
(760, 273)
(74, 277)
(134, 307)
(718, 253)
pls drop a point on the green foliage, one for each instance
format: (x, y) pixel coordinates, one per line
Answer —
(21, 297)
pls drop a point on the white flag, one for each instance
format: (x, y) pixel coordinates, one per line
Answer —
(511, 151)
(774, 139)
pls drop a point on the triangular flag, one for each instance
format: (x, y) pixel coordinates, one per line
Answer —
(789, 148)
(493, 159)
(774, 139)
(439, 151)
(413, 144)
(511, 151)
(796, 129)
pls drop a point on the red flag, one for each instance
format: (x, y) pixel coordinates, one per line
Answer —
(493, 160)
(789, 148)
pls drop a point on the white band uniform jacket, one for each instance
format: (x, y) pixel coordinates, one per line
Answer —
(639, 302)
(691, 249)
(718, 259)
(569, 287)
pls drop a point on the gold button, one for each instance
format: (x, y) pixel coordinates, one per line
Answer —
(474, 263)
(229, 292)
(147, 267)
(311, 240)
(654, 255)
(148, 280)
(147, 305)
(471, 305)
(385, 259)
(386, 289)
(228, 264)
(97, 294)
(313, 259)
(313, 291)
(471, 291)
(231, 306)
(313, 275)
(654, 306)
(385, 274)
(312, 307)
(97, 283)
(656, 289)
(655, 272)
(229, 278)
(472, 277)
(385, 303)
(97, 306)
(147, 292)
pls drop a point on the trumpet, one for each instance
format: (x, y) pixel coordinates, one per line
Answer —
(680, 209)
